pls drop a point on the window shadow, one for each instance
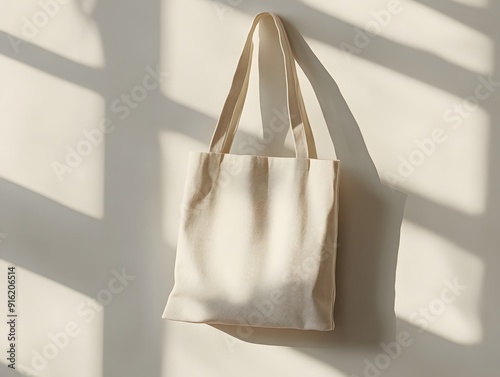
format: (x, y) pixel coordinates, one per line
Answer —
(79, 252)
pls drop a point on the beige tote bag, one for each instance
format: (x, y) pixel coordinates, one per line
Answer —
(257, 239)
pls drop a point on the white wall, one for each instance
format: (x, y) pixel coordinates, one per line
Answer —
(67, 69)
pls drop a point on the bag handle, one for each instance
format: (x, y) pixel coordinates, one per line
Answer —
(241, 100)
(231, 112)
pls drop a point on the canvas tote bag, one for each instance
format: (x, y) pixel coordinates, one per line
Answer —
(257, 238)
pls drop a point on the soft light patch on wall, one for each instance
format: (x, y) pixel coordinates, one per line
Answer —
(62, 27)
(444, 37)
(439, 286)
(52, 142)
(453, 139)
(415, 131)
(202, 62)
(60, 330)
(400, 21)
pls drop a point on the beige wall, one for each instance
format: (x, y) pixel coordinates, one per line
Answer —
(102, 100)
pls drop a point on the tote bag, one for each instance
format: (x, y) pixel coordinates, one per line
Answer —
(257, 238)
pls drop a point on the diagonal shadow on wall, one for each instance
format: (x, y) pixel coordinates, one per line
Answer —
(130, 233)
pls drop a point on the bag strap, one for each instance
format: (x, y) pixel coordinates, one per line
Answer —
(239, 105)
(231, 112)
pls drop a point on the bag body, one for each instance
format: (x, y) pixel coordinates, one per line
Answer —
(258, 235)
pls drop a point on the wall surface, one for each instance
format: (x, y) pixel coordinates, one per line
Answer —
(102, 100)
